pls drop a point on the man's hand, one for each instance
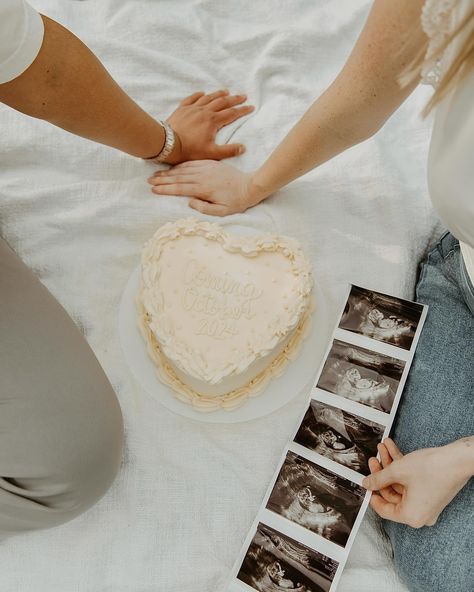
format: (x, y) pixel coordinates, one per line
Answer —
(215, 188)
(198, 119)
(414, 489)
(68, 86)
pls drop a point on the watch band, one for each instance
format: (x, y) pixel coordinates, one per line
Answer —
(167, 146)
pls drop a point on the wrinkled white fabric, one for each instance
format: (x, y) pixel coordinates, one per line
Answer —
(79, 214)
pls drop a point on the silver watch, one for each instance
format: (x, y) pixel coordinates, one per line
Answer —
(168, 146)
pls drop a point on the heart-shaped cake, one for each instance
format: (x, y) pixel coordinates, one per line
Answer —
(222, 313)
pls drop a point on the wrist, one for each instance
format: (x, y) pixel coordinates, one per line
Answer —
(176, 155)
(256, 191)
(170, 145)
(461, 454)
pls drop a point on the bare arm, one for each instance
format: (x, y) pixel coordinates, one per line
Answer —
(358, 102)
(69, 87)
(353, 108)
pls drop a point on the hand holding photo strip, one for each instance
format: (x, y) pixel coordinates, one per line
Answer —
(313, 508)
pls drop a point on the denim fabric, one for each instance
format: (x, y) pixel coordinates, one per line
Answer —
(437, 407)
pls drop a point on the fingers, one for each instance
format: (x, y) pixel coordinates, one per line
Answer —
(388, 493)
(385, 457)
(227, 151)
(187, 166)
(205, 207)
(380, 480)
(186, 189)
(225, 102)
(192, 98)
(205, 99)
(397, 513)
(229, 115)
(374, 465)
(385, 509)
(185, 178)
(392, 449)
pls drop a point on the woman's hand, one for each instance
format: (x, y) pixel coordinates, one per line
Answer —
(198, 119)
(215, 188)
(414, 489)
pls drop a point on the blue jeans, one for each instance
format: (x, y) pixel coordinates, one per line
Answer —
(437, 407)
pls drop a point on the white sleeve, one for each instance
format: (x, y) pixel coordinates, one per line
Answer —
(21, 36)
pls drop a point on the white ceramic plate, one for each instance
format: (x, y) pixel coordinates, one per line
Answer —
(297, 377)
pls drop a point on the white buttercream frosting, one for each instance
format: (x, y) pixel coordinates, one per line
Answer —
(222, 313)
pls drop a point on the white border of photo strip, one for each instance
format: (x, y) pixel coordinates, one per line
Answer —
(299, 533)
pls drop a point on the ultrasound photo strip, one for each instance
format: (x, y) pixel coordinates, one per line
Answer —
(366, 377)
(339, 436)
(274, 559)
(313, 508)
(382, 317)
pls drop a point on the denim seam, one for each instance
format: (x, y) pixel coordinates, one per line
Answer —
(450, 252)
(422, 277)
(465, 288)
(446, 272)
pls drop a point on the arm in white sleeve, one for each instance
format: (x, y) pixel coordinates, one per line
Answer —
(21, 37)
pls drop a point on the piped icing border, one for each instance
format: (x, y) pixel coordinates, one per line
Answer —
(237, 397)
(179, 352)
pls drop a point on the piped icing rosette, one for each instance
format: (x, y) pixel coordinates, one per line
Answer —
(222, 313)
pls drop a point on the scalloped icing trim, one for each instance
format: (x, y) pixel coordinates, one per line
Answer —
(248, 246)
(237, 397)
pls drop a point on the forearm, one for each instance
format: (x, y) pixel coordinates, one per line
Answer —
(331, 126)
(359, 101)
(68, 86)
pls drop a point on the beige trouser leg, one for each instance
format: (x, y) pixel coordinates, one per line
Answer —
(60, 423)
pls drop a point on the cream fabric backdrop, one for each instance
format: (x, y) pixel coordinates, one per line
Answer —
(79, 213)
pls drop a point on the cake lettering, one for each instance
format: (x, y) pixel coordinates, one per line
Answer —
(216, 328)
(214, 305)
(220, 297)
(200, 276)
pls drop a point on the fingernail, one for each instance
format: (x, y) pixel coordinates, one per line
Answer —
(365, 482)
(241, 150)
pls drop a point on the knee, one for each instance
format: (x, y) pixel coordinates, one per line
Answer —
(87, 466)
(431, 559)
(68, 461)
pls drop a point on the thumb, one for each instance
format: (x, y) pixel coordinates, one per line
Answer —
(226, 151)
(380, 480)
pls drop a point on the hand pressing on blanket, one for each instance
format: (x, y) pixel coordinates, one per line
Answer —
(198, 119)
(415, 488)
(68, 86)
(215, 188)
(352, 109)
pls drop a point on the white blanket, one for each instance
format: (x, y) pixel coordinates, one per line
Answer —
(79, 213)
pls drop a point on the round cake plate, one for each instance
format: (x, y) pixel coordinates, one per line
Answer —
(297, 377)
